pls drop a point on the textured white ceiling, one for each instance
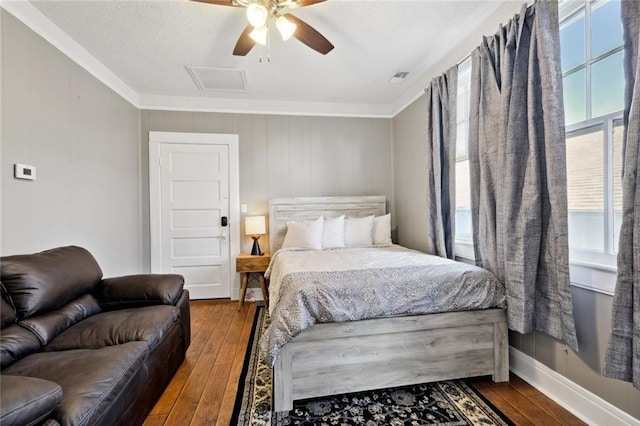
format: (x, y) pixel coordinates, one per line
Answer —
(147, 44)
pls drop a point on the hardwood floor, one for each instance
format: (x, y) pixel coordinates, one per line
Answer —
(203, 390)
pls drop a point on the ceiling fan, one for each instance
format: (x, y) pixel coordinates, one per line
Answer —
(262, 13)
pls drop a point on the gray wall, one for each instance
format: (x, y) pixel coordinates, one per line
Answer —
(592, 310)
(287, 156)
(592, 314)
(90, 148)
(83, 139)
(410, 176)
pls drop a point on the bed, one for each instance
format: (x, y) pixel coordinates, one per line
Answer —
(328, 358)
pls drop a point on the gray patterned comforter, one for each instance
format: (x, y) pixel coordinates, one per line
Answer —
(349, 284)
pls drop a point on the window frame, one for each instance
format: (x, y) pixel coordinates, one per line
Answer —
(464, 250)
(606, 123)
(594, 270)
(570, 10)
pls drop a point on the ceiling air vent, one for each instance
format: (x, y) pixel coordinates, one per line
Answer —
(399, 77)
(210, 79)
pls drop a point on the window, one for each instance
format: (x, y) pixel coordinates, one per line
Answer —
(591, 46)
(591, 61)
(463, 237)
(593, 80)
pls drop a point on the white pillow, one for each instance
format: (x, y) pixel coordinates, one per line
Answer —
(306, 234)
(358, 231)
(382, 230)
(333, 233)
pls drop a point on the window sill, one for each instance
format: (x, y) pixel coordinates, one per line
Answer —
(589, 276)
(464, 251)
(594, 277)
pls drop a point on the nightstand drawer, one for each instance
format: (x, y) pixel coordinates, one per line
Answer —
(248, 263)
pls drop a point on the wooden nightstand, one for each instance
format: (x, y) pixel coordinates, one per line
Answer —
(248, 264)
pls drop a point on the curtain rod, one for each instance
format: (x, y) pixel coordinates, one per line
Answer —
(529, 3)
(464, 59)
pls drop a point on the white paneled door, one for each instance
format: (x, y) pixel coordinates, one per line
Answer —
(193, 216)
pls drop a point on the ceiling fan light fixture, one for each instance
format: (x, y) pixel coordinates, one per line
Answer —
(261, 14)
(291, 4)
(286, 27)
(259, 35)
(257, 15)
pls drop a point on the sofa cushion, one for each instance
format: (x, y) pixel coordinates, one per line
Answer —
(139, 290)
(149, 324)
(49, 325)
(48, 280)
(91, 379)
(7, 310)
(27, 400)
(16, 342)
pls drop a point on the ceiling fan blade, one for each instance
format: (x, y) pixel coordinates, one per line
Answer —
(244, 43)
(309, 36)
(304, 3)
(218, 2)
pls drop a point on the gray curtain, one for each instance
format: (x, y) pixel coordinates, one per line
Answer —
(518, 170)
(622, 360)
(441, 97)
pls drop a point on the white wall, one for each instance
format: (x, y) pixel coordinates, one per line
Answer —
(83, 140)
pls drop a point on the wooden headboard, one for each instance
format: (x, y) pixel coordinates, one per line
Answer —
(283, 210)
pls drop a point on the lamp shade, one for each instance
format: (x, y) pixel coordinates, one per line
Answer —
(254, 225)
(259, 35)
(257, 15)
(286, 27)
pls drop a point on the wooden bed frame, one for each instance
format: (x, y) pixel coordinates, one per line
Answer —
(336, 358)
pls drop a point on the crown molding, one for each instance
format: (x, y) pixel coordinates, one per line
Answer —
(254, 106)
(29, 15)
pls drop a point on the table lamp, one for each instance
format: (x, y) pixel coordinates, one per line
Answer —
(255, 226)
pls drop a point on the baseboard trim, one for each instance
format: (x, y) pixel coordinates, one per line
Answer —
(582, 403)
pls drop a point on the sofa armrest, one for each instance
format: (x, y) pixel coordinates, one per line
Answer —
(139, 290)
(27, 400)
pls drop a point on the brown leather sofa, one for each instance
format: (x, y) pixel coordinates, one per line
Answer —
(77, 349)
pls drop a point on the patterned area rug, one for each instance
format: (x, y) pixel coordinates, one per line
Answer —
(445, 403)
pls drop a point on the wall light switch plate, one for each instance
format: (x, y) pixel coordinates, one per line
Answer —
(24, 171)
(243, 208)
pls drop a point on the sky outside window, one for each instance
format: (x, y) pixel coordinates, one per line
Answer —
(606, 27)
(593, 82)
(575, 97)
(607, 85)
(572, 42)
